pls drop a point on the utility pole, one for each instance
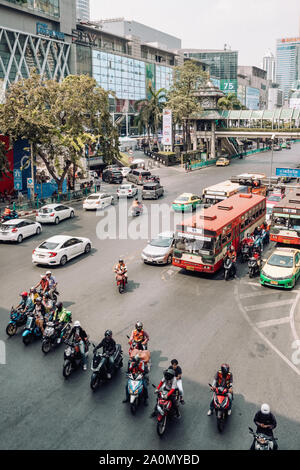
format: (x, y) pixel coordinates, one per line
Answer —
(32, 172)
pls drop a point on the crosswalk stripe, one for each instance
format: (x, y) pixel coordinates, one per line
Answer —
(279, 303)
(258, 294)
(278, 321)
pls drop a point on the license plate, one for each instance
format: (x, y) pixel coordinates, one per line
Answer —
(41, 256)
(4, 233)
(190, 268)
(274, 282)
(150, 260)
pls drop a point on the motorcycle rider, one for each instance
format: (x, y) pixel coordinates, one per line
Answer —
(138, 366)
(178, 375)
(26, 304)
(43, 284)
(48, 303)
(52, 283)
(136, 205)
(7, 212)
(109, 347)
(139, 336)
(79, 335)
(40, 313)
(223, 378)
(33, 294)
(169, 383)
(121, 268)
(231, 254)
(265, 422)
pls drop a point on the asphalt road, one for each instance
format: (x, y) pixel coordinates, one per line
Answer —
(202, 321)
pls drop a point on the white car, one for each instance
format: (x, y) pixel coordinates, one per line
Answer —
(18, 229)
(98, 201)
(125, 170)
(60, 249)
(54, 213)
(127, 190)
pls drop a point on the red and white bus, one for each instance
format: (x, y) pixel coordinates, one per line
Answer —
(285, 222)
(202, 241)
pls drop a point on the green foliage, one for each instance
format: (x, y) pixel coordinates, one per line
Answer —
(4, 165)
(230, 101)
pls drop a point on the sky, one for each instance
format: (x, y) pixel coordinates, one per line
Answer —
(249, 26)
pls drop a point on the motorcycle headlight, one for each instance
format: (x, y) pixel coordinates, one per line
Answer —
(68, 352)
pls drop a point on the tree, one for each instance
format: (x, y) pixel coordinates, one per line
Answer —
(59, 120)
(4, 165)
(150, 112)
(182, 99)
(230, 102)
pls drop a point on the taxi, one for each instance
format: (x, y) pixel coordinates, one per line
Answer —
(282, 269)
(223, 161)
(186, 202)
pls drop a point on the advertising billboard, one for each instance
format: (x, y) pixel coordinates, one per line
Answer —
(241, 94)
(167, 127)
(229, 86)
(252, 98)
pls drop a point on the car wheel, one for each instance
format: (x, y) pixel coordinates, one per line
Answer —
(63, 260)
(87, 248)
(38, 230)
(56, 221)
(20, 238)
(72, 215)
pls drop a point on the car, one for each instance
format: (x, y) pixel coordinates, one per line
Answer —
(125, 170)
(186, 202)
(97, 201)
(54, 213)
(127, 190)
(282, 269)
(138, 176)
(18, 229)
(152, 190)
(223, 161)
(160, 249)
(112, 175)
(59, 249)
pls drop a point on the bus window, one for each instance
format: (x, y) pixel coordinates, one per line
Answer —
(294, 223)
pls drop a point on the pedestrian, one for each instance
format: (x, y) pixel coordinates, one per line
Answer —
(190, 165)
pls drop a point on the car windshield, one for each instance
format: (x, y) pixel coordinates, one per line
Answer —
(91, 198)
(8, 226)
(183, 199)
(281, 261)
(146, 173)
(274, 198)
(149, 187)
(48, 246)
(161, 242)
(269, 210)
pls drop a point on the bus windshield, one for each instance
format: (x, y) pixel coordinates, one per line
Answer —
(195, 246)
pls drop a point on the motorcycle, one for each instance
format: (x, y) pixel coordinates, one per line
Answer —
(72, 356)
(53, 335)
(53, 296)
(136, 211)
(136, 345)
(164, 410)
(221, 405)
(254, 267)
(121, 281)
(228, 268)
(31, 330)
(17, 318)
(262, 441)
(245, 252)
(13, 215)
(99, 366)
(135, 387)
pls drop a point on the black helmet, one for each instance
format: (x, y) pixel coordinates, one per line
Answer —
(169, 374)
(224, 369)
(139, 325)
(108, 333)
(59, 306)
(136, 359)
(121, 260)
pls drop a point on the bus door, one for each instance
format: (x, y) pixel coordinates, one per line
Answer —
(236, 237)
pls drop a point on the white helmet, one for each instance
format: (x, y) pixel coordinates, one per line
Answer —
(265, 409)
(48, 272)
(77, 324)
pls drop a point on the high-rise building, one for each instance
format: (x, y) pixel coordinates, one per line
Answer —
(269, 65)
(287, 64)
(83, 10)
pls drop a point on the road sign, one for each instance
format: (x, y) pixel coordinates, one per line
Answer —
(29, 182)
(18, 185)
(289, 172)
(17, 174)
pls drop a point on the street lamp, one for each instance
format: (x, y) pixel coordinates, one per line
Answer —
(272, 138)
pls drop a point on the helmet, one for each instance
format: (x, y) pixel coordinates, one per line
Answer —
(224, 369)
(59, 306)
(32, 289)
(77, 324)
(48, 272)
(139, 325)
(38, 299)
(137, 358)
(108, 333)
(43, 276)
(24, 294)
(169, 374)
(121, 260)
(265, 409)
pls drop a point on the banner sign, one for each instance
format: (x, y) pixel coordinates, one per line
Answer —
(290, 172)
(167, 127)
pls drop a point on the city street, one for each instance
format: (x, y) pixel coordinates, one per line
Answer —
(200, 320)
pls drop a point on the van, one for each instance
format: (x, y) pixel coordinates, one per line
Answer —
(152, 191)
(137, 176)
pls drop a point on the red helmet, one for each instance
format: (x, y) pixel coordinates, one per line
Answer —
(24, 294)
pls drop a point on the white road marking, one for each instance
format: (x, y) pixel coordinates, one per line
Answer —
(278, 321)
(279, 303)
(259, 294)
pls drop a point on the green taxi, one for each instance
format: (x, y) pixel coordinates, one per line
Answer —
(282, 269)
(186, 202)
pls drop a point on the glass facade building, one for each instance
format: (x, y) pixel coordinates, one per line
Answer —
(48, 7)
(287, 64)
(83, 9)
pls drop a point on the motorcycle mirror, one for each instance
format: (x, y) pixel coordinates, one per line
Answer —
(250, 429)
(154, 386)
(128, 336)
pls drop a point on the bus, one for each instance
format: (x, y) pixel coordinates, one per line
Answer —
(256, 182)
(219, 192)
(285, 221)
(202, 241)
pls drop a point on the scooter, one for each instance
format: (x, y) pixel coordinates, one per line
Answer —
(13, 215)
(136, 211)
(254, 266)
(17, 319)
(164, 410)
(135, 387)
(228, 271)
(99, 366)
(54, 335)
(72, 357)
(31, 330)
(245, 252)
(221, 405)
(262, 441)
(121, 281)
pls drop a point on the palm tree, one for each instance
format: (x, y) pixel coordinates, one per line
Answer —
(229, 102)
(150, 112)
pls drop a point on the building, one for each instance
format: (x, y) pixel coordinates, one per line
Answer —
(36, 34)
(269, 65)
(125, 65)
(287, 64)
(223, 65)
(275, 97)
(83, 10)
(122, 27)
(252, 87)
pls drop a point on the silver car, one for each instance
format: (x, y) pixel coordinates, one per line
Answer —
(160, 249)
